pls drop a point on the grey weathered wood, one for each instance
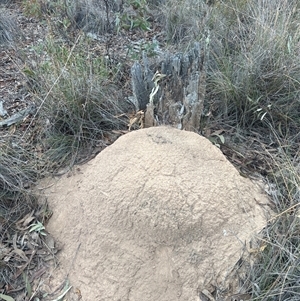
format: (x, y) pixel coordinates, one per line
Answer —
(139, 87)
(179, 100)
(19, 116)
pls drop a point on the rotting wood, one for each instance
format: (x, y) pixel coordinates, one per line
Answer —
(180, 97)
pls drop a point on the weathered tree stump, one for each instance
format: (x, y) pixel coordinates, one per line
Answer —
(179, 98)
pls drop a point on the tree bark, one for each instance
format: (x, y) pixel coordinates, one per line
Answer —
(180, 97)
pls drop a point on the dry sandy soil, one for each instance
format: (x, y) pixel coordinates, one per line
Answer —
(159, 215)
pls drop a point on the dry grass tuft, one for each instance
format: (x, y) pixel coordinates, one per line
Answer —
(78, 101)
(185, 20)
(254, 68)
(9, 30)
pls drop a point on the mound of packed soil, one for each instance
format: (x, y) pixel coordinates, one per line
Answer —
(158, 215)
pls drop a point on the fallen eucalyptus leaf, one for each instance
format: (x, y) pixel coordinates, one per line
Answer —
(62, 295)
(6, 297)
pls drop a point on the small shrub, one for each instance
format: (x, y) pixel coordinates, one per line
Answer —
(133, 16)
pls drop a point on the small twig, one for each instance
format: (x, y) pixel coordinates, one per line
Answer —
(46, 187)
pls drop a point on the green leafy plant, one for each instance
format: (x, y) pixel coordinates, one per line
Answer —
(216, 139)
(134, 17)
(37, 227)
